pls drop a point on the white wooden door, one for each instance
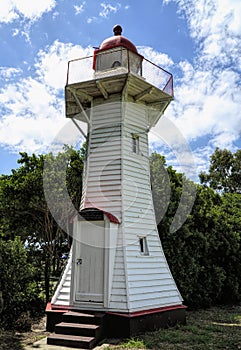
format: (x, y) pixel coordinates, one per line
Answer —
(90, 254)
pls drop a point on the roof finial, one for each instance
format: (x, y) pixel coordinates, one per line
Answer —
(117, 29)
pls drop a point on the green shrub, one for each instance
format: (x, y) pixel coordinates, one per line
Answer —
(204, 254)
(19, 290)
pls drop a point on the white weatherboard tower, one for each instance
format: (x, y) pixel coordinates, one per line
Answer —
(117, 265)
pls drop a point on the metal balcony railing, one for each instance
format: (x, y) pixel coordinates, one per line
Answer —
(81, 69)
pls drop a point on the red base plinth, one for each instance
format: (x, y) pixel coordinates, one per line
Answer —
(124, 325)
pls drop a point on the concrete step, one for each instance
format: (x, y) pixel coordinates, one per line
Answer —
(83, 318)
(73, 341)
(78, 330)
(89, 330)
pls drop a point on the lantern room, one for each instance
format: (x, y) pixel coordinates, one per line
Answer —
(117, 54)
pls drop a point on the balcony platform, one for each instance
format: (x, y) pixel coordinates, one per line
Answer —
(136, 88)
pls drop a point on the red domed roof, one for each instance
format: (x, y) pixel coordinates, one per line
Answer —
(117, 40)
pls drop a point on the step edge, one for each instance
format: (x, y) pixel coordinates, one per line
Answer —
(71, 337)
(77, 325)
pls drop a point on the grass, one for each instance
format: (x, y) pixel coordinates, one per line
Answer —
(215, 328)
(211, 329)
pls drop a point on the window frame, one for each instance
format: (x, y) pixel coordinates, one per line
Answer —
(143, 246)
(135, 143)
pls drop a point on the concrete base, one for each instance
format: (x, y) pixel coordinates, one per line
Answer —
(124, 325)
(128, 325)
(54, 316)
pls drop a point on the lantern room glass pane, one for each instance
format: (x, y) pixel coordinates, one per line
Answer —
(108, 60)
(118, 58)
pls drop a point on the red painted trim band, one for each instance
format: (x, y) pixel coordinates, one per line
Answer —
(53, 308)
(149, 312)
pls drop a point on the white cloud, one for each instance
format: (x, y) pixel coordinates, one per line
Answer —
(32, 108)
(108, 8)
(15, 31)
(106, 11)
(55, 14)
(151, 67)
(7, 11)
(168, 139)
(91, 19)
(207, 101)
(33, 115)
(214, 16)
(51, 65)
(158, 58)
(32, 10)
(216, 26)
(8, 73)
(79, 8)
(207, 95)
(202, 156)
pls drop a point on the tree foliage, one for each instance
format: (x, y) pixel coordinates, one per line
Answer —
(19, 290)
(26, 213)
(204, 253)
(224, 171)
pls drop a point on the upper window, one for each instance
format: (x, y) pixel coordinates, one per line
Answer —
(135, 143)
(116, 64)
(143, 246)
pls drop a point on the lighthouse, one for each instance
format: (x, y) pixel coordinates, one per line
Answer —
(117, 269)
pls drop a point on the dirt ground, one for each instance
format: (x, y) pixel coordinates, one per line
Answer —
(38, 331)
(18, 340)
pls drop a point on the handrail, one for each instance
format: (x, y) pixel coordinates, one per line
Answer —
(150, 71)
(74, 60)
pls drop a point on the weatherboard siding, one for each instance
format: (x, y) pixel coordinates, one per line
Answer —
(103, 188)
(62, 292)
(149, 281)
(118, 295)
(117, 180)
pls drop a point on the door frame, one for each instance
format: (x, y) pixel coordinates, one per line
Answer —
(107, 265)
(89, 263)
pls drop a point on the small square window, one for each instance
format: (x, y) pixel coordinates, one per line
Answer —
(143, 246)
(135, 143)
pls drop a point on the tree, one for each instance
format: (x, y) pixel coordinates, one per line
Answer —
(172, 192)
(224, 171)
(227, 248)
(204, 252)
(17, 285)
(161, 189)
(25, 211)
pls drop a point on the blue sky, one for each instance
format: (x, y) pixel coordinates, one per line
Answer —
(198, 41)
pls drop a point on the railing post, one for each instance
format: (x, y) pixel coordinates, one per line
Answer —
(170, 81)
(67, 78)
(141, 68)
(128, 60)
